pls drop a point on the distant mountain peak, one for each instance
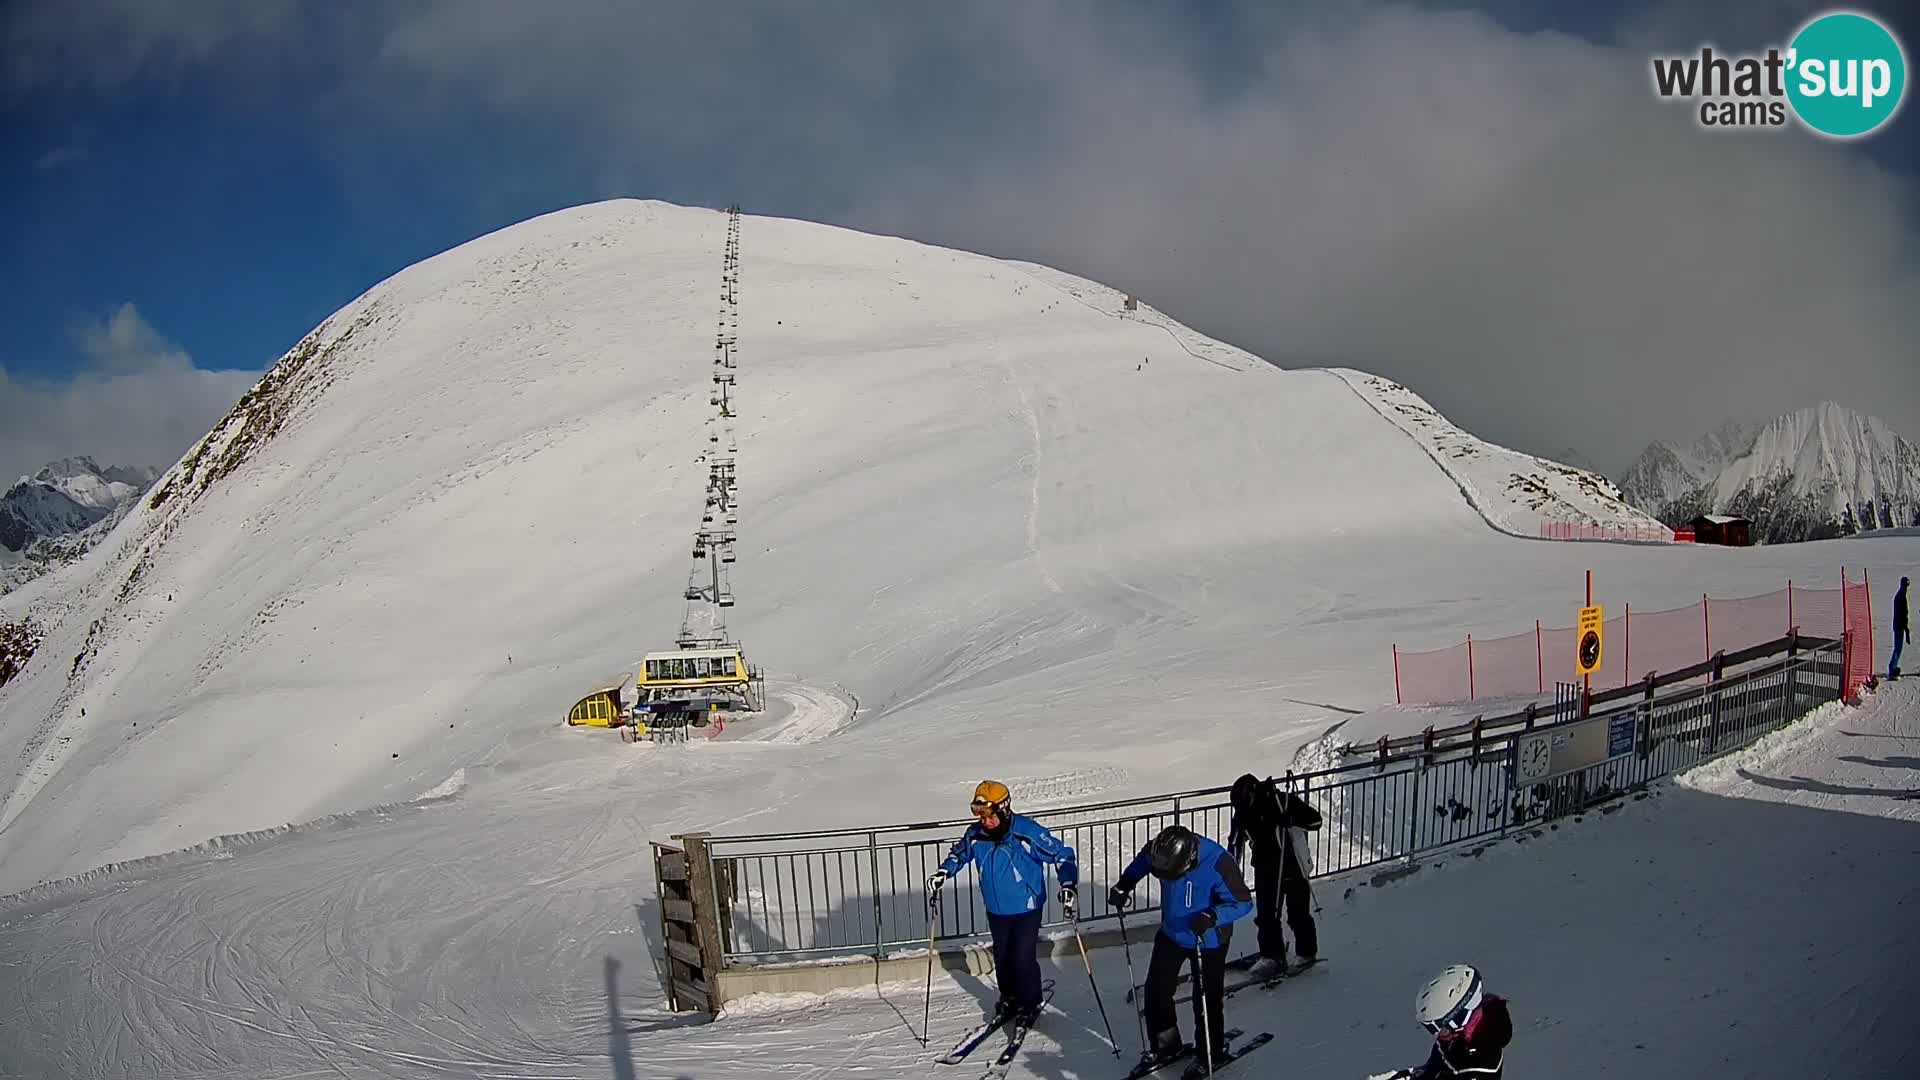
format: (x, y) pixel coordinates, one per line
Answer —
(1818, 471)
(58, 513)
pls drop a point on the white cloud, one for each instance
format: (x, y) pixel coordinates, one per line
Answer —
(1509, 222)
(138, 400)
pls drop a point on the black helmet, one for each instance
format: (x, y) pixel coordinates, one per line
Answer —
(1174, 853)
(1244, 790)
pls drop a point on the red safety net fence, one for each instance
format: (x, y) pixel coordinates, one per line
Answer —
(1857, 616)
(1655, 533)
(1638, 642)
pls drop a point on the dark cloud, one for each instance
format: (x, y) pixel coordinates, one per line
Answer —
(138, 400)
(1507, 221)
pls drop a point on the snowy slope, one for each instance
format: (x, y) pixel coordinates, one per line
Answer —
(1823, 471)
(1032, 538)
(1517, 493)
(954, 480)
(495, 937)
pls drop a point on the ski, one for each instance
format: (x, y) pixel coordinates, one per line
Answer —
(1197, 1069)
(1149, 1066)
(971, 1040)
(1015, 1037)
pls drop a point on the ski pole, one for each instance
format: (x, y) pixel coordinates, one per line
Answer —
(1096, 987)
(933, 923)
(1127, 951)
(1200, 998)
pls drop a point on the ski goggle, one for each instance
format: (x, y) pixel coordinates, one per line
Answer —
(982, 808)
(1456, 1021)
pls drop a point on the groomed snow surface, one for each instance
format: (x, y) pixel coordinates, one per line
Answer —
(319, 815)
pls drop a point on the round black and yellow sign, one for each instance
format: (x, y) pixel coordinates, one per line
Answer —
(1589, 650)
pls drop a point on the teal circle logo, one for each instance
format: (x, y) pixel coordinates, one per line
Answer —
(1846, 74)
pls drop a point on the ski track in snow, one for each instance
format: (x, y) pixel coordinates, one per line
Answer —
(494, 940)
(380, 602)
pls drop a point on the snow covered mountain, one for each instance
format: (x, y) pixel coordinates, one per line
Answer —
(1675, 484)
(1811, 474)
(1035, 533)
(1516, 492)
(61, 512)
(497, 453)
(66, 497)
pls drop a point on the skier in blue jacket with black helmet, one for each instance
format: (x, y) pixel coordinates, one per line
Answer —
(1202, 894)
(1011, 852)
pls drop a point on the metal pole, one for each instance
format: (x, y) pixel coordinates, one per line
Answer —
(1126, 950)
(1586, 681)
(926, 1013)
(1200, 995)
(873, 860)
(1084, 959)
(1469, 667)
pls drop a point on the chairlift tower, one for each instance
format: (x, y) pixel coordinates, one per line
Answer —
(709, 591)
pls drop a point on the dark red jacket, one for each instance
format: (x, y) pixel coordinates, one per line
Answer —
(1475, 1053)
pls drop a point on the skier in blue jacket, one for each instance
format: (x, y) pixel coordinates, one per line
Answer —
(1201, 895)
(1010, 853)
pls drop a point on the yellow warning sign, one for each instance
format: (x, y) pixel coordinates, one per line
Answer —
(1586, 659)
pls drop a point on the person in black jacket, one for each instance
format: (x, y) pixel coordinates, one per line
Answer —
(1901, 635)
(1273, 823)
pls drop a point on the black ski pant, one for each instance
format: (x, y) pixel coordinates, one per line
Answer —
(1275, 892)
(1016, 957)
(1163, 973)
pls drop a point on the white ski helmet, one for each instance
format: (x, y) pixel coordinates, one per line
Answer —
(1446, 1003)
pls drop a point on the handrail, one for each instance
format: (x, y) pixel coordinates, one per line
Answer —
(1421, 745)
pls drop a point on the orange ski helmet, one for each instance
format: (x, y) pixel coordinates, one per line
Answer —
(992, 795)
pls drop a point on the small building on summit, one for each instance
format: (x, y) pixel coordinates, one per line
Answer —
(1723, 530)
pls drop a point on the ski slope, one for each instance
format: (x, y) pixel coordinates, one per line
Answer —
(492, 937)
(286, 788)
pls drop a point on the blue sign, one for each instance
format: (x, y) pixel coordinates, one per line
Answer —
(1620, 734)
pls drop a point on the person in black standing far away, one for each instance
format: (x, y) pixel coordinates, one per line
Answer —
(1901, 635)
(1273, 823)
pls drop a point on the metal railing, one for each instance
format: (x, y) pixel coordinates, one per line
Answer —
(860, 893)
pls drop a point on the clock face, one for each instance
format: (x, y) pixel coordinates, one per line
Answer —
(1589, 650)
(1536, 754)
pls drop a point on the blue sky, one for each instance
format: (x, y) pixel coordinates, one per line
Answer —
(193, 184)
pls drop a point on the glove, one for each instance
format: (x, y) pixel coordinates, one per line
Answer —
(1201, 922)
(1070, 902)
(934, 881)
(1119, 898)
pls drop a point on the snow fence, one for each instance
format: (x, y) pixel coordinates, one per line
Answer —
(778, 902)
(1531, 662)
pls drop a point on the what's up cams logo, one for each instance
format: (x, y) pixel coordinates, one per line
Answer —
(1843, 75)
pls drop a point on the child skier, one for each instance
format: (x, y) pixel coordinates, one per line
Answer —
(1470, 1029)
(1010, 852)
(1201, 895)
